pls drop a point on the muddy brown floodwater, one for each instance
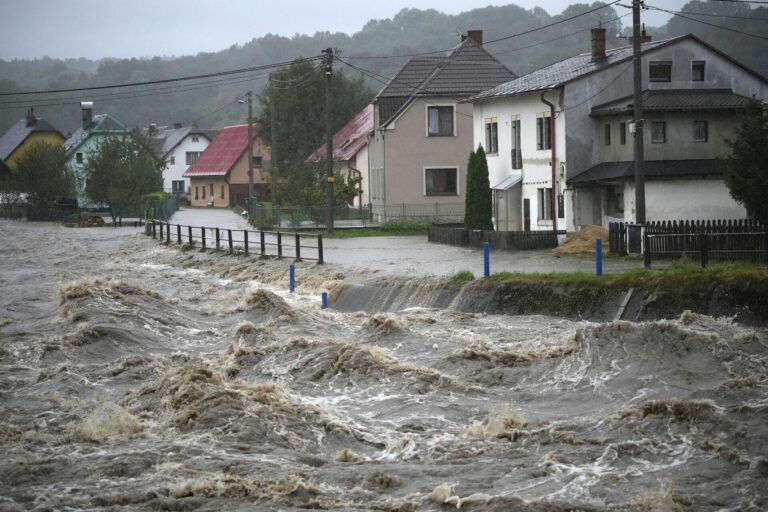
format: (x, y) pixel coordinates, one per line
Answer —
(136, 376)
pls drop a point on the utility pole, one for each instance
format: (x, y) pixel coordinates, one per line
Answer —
(329, 199)
(251, 191)
(638, 116)
(273, 127)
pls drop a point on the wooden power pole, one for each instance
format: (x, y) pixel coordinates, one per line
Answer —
(637, 117)
(251, 191)
(273, 127)
(329, 198)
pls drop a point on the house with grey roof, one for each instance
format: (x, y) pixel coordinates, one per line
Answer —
(15, 142)
(86, 142)
(178, 147)
(560, 154)
(422, 133)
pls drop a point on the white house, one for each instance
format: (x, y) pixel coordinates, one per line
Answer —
(693, 96)
(178, 146)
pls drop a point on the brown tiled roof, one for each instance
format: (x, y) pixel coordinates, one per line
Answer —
(351, 138)
(466, 70)
(676, 100)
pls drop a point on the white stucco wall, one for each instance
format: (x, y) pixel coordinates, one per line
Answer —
(700, 199)
(174, 172)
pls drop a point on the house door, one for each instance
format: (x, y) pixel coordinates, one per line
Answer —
(527, 214)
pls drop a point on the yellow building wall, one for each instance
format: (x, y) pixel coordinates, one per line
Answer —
(201, 191)
(54, 138)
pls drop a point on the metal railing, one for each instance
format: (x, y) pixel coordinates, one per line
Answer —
(264, 243)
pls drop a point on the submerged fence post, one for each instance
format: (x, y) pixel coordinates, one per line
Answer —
(319, 249)
(202, 237)
(279, 245)
(189, 232)
(154, 229)
(486, 259)
(292, 278)
(599, 257)
(298, 247)
(245, 240)
(324, 300)
(229, 237)
(647, 251)
(218, 239)
(168, 234)
(263, 245)
(178, 233)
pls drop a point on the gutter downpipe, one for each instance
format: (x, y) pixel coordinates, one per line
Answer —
(384, 170)
(370, 199)
(552, 199)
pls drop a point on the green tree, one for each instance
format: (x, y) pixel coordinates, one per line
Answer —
(746, 171)
(469, 192)
(42, 174)
(479, 201)
(297, 93)
(123, 170)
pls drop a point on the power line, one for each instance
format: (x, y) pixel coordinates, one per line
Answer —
(564, 20)
(166, 80)
(742, 1)
(709, 24)
(713, 15)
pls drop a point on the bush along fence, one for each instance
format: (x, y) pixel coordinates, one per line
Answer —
(455, 234)
(262, 243)
(720, 240)
(35, 213)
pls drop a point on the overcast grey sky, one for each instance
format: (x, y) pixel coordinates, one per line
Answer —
(145, 28)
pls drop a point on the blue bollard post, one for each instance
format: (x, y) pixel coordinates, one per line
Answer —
(293, 278)
(599, 257)
(324, 298)
(486, 259)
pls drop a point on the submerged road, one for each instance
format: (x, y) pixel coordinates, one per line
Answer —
(414, 255)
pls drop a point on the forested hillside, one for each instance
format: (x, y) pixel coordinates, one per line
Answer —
(211, 102)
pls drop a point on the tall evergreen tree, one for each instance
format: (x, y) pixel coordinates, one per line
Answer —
(483, 209)
(469, 193)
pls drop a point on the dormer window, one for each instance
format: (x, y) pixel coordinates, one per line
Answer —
(697, 71)
(660, 71)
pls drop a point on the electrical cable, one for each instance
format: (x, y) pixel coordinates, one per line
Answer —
(710, 24)
(166, 80)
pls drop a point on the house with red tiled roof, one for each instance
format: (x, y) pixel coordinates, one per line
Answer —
(350, 152)
(219, 176)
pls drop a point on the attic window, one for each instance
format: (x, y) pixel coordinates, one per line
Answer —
(697, 71)
(195, 138)
(660, 71)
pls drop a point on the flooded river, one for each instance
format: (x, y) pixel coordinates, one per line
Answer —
(135, 376)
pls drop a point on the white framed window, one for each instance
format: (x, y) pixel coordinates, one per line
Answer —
(660, 71)
(658, 132)
(173, 160)
(544, 203)
(195, 138)
(543, 130)
(192, 156)
(441, 121)
(441, 181)
(697, 70)
(517, 151)
(491, 136)
(700, 131)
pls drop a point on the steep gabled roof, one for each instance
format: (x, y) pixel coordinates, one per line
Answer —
(466, 70)
(102, 123)
(351, 138)
(19, 132)
(222, 153)
(166, 138)
(5, 171)
(560, 73)
(676, 100)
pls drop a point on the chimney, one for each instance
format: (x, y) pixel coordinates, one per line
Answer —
(177, 125)
(31, 119)
(476, 36)
(87, 109)
(598, 44)
(644, 38)
(152, 129)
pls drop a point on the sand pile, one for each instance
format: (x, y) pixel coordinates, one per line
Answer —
(584, 240)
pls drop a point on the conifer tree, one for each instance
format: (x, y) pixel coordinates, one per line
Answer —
(483, 199)
(469, 193)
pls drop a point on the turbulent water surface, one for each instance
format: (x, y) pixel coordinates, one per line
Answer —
(135, 376)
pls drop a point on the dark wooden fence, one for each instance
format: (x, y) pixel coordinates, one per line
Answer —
(263, 243)
(721, 240)
(455, 234)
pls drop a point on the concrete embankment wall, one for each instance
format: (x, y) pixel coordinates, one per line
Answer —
(746, 301)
